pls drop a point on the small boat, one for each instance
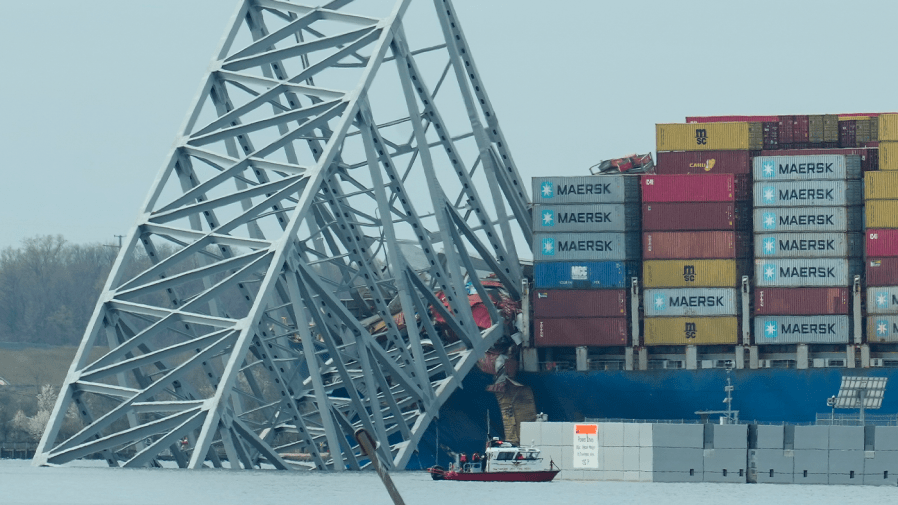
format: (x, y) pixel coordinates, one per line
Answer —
(502, 462)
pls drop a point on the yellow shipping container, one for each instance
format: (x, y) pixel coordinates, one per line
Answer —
(881, 185)
(888, 155)
(888, 127)
(882, 214)
(709, 136)
(691, 330)
(689, 274)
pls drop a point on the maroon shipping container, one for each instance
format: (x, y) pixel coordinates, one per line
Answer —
(847, 134)
(703, 162)
(730, 119)
(771, 135)
(801, 129)
(702, 216)
(553, 303)
(696, 188)
(573, 332)
(786, 135)
(882, 271)
(802, 301)
(881, 242)
(695, 245)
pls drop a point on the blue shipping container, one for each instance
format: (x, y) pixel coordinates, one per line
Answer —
(802, 329)
(584, 274)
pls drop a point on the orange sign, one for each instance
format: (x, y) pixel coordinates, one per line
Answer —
(586, 429)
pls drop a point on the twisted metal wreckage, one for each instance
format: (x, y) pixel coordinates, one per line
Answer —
(332, 183)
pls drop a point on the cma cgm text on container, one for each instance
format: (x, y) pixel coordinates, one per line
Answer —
(704, 162)
(585, 246)
(806, 167)
(802, 329)
(805, 219)
(805, 272)
(586, 217)
(809, 245)
(814, 193)
(691, 302)
(586, 189)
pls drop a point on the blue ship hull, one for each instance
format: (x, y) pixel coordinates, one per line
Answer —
(766, 395)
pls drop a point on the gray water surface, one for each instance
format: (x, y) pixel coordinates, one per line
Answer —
(93, 483)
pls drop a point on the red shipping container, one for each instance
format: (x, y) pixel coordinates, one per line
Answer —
(702, 216)
(695, 245)
(577, 331)
(696, 188)
(702, 162)
(786, 135)
(802, 301)
(730, 119)
(882, 272)
(882, 242)
(551, 303)
(847, 134)
(801, 129)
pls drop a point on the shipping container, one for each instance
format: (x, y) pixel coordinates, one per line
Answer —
(802, 301)
(659, 245)
(692, 273)
(881, 214)
(863, 131)
(799, 219)
(806, 167)
(830, 128)
(888, 127)
(848, 133)
(771, 134)
(865, 153)
(709, 137)
(817, 329)
(586, 189)
(881, 242)
(691, 330)
(882, 329)
(704, 162)
(696, 188)
(730, 119)
(551, 303)
(692, 302)
(882, 300)
(808, 193)
(881, 271)
(584, 274)
(580, 331)
(815, 129)
(586, 246)
(586, 217)
(888, 155)
(699, 216)
(809, 245)
(806, 272)
(881, 186)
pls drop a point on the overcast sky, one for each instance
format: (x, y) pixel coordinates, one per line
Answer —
(93, 93)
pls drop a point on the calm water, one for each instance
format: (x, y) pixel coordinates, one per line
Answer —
(88, 483)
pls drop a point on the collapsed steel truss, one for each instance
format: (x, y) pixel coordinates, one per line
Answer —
(303, 264)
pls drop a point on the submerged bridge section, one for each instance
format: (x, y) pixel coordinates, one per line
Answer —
(306, 263)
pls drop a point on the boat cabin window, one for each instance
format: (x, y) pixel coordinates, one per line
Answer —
(505, 455)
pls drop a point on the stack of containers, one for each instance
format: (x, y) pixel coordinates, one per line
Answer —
(881, 196)
(585, 251)
(696, 224)
(807, 224)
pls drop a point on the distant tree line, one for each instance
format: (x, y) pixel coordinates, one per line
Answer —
(49, 287)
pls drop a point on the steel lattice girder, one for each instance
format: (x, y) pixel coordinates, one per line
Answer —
(332, 182)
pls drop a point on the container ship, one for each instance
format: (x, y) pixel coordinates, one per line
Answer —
(759, 248)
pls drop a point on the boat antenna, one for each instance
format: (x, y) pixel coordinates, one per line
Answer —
(488, 425)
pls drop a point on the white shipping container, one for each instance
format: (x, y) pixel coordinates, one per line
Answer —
(691, 302)
(882, 328)
(587, 189)
(803, 219)
(882, 300)
(823, 166)
(586, 246)
(808, 193)
(586, 217)
(806, 272)
(802, 329)
(809, 245)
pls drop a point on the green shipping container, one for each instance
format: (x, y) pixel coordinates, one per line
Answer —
(691, 274)
(691, 330)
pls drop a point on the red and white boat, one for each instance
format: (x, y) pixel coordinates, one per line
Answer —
(502, 462)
